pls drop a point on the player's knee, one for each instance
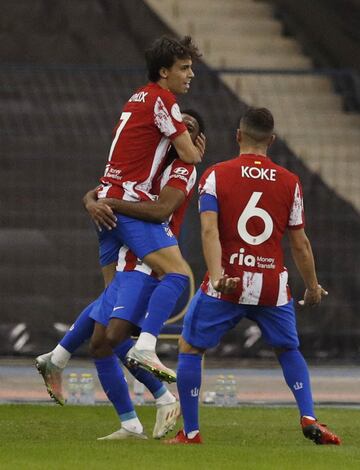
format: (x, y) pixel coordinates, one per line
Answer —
(281, 350)
(114, 338)
(95, 349)
(186, 348)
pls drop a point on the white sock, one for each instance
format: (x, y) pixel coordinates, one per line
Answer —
(60, 357)
(133, 425)
(165, 399)
(310, 417)
(146, 341)
(192, 434)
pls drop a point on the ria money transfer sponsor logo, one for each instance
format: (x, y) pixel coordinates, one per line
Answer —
(242, 259)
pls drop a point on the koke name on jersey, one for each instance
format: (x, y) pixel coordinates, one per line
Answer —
(258, 173)
(138, 97)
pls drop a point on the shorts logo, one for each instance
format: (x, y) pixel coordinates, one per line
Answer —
(181, 171)
(168, 230)
(175, 112)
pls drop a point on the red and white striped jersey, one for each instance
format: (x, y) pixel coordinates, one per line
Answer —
(257, 201)
(149, 121)
(177, 175)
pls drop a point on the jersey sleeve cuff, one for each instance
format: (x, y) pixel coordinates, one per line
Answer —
(296, 227)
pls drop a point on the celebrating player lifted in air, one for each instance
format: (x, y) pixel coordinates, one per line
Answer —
(149, 122)
(130, 289)
(246, 205)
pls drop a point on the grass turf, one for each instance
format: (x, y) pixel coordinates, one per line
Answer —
(52, 437)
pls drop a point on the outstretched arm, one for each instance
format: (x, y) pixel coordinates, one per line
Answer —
(303, 256)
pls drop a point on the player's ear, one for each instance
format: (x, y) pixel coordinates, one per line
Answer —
(163, 72)
(272, 140)
(238, 135)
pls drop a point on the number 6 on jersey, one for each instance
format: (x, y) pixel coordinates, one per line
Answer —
(251, 210)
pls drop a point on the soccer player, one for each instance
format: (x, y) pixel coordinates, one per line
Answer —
(175, 185)
(246, 205)
(150, 120)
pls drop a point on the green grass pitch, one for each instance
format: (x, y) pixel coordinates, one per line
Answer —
(52, 437)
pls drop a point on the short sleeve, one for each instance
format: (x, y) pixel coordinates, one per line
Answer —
(297, 217)
(180, 175)
(167, 116)
(207, 183)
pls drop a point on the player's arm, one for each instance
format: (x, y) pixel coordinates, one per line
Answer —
(213, 253)
(303, 256)
(100, 212)
(188, 151)
(169, 200)
(211, 244)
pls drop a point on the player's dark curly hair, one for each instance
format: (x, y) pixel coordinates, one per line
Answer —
(197, 116)
(258, 123)
(165, 51)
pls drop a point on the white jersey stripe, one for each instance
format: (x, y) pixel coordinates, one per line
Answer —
(121, 258)
(212, 292)
(159, 156)
(103, 191)
(283, 296)
(252, 285)
(123, 265)
(296, 214)
(210, 185)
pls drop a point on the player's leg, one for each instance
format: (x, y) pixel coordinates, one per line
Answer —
(133, 294)
(157, 247)
(206, 321)
(108, 272)
(167, 407)
(114, 384)
(163, 301)
(52, 364)
(278, 327)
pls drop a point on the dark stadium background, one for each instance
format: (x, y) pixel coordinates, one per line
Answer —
(66, 69)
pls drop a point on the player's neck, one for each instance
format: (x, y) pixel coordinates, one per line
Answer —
(163, 84)
(253, 150)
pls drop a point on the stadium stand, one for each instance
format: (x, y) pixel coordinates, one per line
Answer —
(262, 46)
(59, 104)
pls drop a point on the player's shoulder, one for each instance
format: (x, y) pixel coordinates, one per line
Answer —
(284, 172)
(220, 168)
(149, 93)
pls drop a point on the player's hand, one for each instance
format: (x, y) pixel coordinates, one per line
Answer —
(101, 214)
(313, 297)
(226, 284)
(200, 144)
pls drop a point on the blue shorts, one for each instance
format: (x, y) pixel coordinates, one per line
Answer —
(208, 319)
(127, 298)
(141, 237)
(109, 246)
(104, 305)
(133, 294)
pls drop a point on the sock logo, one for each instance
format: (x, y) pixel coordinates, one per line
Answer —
(194, 392)
(298, 386)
